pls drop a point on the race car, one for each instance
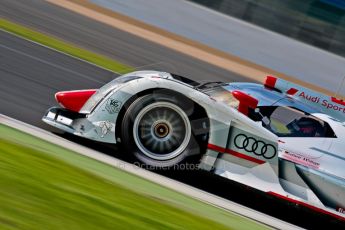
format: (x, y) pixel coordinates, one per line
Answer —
(278, 137)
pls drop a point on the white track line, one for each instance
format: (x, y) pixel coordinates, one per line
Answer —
(49, 63)
(61, 52)
(153, 177)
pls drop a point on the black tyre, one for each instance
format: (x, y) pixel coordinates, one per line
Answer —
(156, 129)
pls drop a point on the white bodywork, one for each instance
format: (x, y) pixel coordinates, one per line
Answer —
(308, 171)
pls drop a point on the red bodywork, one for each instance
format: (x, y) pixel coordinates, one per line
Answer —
(74, 100)
(246, 101)
(270, 81)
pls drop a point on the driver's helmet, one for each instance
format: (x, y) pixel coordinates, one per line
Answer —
(307, 126)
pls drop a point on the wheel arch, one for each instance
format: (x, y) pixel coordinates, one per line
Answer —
(199, 112)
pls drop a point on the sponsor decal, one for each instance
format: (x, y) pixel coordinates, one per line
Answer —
(105, 127)
(113, 106)
(258, 147)
(301, 159)
(323, 102)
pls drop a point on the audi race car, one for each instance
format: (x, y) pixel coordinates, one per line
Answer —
(278, 137)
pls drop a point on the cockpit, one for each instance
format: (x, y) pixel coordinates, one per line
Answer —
(283, 116)
(286, 121)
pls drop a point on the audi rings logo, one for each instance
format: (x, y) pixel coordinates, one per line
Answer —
(257, 147)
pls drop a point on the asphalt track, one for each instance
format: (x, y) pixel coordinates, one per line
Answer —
(30, 75)
(107, 40)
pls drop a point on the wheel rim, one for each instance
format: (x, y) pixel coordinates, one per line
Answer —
(162, 130)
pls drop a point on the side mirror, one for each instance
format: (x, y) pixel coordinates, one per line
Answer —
(266, 120)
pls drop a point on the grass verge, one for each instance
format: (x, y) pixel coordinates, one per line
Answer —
(44, 186)
(65, 47)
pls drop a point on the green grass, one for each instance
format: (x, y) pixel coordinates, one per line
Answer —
(65, 47)
(44, 186)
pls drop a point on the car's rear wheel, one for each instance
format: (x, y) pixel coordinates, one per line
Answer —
(157, 130)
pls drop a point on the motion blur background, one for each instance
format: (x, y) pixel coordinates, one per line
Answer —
(320, 23)
(301, 39)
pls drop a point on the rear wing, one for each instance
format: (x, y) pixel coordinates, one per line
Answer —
(329, 105)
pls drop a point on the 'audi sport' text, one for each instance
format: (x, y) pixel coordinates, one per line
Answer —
(324, 102)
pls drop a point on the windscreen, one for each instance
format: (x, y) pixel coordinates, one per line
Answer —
(291, 122)
(222, 95)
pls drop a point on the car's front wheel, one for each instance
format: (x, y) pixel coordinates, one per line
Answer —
(157, 131)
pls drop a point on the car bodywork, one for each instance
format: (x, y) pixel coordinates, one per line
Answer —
(307, 170)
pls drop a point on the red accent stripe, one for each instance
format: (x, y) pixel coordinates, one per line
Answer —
(338, 101)
(306, 205)
(292, 91)
(270, 81)
(234, 153)
(216, 148)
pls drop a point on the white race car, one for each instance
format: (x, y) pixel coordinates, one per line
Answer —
(280, 138)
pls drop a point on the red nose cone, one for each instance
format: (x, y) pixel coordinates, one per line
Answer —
(74, 100)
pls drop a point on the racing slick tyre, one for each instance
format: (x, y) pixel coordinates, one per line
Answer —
(157, 130)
